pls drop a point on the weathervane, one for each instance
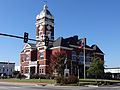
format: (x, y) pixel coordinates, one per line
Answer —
(45, 1)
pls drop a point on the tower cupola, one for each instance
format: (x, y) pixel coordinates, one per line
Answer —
(45, 13)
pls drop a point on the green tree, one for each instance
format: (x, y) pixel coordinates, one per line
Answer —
(96, 69)
(57, 63)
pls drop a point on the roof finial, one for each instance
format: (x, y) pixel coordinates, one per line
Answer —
(45, 1)
(45, 6)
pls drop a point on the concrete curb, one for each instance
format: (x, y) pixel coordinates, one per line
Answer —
(91, 85)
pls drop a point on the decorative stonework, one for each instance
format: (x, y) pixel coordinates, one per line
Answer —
(45, 13)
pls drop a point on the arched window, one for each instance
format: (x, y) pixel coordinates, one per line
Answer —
(27, 58)
(22, 59)
(73, 55)
(40, 35)
(48, 33)
(41, 55)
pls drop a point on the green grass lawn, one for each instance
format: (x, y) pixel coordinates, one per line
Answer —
(51, 81)
(94, 80)
(31, 80)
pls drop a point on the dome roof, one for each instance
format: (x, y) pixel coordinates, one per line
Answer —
(45, 13)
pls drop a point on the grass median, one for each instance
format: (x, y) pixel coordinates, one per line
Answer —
(53, 81)
(49, 81)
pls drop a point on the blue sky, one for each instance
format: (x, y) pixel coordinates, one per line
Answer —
(97, 20)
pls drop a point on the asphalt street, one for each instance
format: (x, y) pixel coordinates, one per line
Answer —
(19, 86)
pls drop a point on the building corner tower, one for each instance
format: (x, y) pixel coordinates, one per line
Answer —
(44, 37)
(44, 27)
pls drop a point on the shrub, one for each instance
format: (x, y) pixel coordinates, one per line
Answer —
(20, 76)
(72, 79)
(67, 80)
(34, 76)
(59, 79)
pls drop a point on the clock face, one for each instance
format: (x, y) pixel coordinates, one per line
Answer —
(48, 27)
(41, 27)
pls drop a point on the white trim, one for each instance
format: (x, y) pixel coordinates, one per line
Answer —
(79, 46)
(62, 48)
(42, 50)
(89, 49)
(44, 47)
(74, 46)
(42, 66)
(32, 65)
(27, 53)
(40, 45)
(26, 66)
(26, 47)
(42, 60)
(99, 53)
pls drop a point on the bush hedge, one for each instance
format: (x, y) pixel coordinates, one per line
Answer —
(67, 80)
(41, 76)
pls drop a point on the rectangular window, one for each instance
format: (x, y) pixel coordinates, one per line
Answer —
(27, 58)
(26, 70)
(81, 58)
(88, 59)
(21, 71)
(41, 55)
(73, 55)
(41, 70)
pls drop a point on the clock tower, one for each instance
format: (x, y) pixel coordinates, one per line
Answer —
(44, 27)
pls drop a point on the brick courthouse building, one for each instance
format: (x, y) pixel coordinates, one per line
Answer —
(34, 58)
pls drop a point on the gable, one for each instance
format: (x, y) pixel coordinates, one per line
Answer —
(26, 46)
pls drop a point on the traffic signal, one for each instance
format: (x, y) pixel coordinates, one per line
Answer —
(25, 37)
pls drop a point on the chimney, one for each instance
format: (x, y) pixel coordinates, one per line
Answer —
(75, 37)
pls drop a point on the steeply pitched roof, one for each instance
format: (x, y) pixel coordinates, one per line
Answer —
(66, 42)
(74, 41)
(97, 49)
(58, 42)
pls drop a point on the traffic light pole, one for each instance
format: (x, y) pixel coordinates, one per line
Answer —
(16, 36)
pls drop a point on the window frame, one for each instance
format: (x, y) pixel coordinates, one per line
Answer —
(74, 55)
(42, 55)
(27, 58)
